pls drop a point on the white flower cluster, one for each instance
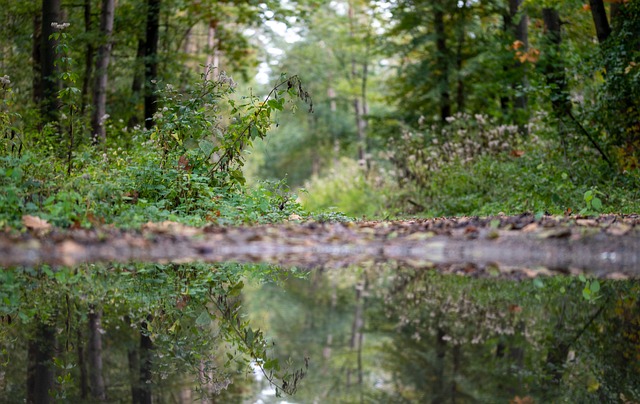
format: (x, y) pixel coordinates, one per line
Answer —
(225, 79)
(60, 27)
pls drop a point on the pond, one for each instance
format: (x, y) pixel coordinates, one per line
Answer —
(390, 334)
(504, 309)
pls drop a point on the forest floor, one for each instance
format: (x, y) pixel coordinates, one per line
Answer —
(512, 246)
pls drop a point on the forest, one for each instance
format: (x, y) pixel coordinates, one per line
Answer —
(134, 122)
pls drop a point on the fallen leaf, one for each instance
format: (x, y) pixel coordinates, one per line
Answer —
(35, 223)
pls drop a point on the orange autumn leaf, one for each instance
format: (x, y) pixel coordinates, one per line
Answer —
(517, 44)
(586, 7)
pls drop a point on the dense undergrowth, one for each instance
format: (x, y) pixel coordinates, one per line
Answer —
(476, 167)
(185, 169)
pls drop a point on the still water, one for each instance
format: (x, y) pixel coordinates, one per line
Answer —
(388, 334)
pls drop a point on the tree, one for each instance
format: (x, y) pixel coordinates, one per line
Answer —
(96, 385)
(49, 76)
(99, 113)
(151, 61)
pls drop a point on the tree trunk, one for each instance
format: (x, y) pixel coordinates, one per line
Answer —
(49, 74)
(151, 61)
(136, 84)
(554, 65)
(36, 55)
(40, 372)
(355, 343)
(521, 33)
(146, 366)
(438, 377)
(88, 58)
(97, 386)
(460, 92)
(211, 67)
(359, 104)
(98, 115)
(82, 365)
(599, 14)
(442, 63)
(133, 356)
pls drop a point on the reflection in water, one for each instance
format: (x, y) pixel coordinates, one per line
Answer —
(389, 334)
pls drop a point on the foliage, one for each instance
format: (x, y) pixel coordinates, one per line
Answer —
(618, 111)
(347, 188)
(186, 169)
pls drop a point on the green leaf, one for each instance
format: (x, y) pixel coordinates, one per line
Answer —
(595, 286)
(586, 293)
(190, 144)
(203, 319)
(206, 146)
(274, 104)
(588, 196)
(596, 204)
(537, 282)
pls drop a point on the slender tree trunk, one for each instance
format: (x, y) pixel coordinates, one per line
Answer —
(211, 68)
(99, 113)
(97, 386)
(456, 356)
(442, 63)
(88, 57)
(49, 74)
(82, 365)
(355, 343)
(151, 61)
(521, 34)
(36, 55)
(133, 356)
(40, 372)
(554, 64)
(460, 91)
(358, 99)
(438, 377)
(146, 367)
(599, 14)
(136, 84)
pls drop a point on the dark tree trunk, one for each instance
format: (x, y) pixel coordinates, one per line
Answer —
(49, 81)
(554, 64)
(133, 356)
(146, 366)
(460, 92)
(599, 14)
(40, 372)
(438, 377)
(521, 33)
(442, 63)
(102, 65)
(88, 57)
(97, 387)
(136, 85)
(82, 365)
(151, 61)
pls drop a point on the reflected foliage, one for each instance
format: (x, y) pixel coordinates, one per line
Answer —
(435, 338)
